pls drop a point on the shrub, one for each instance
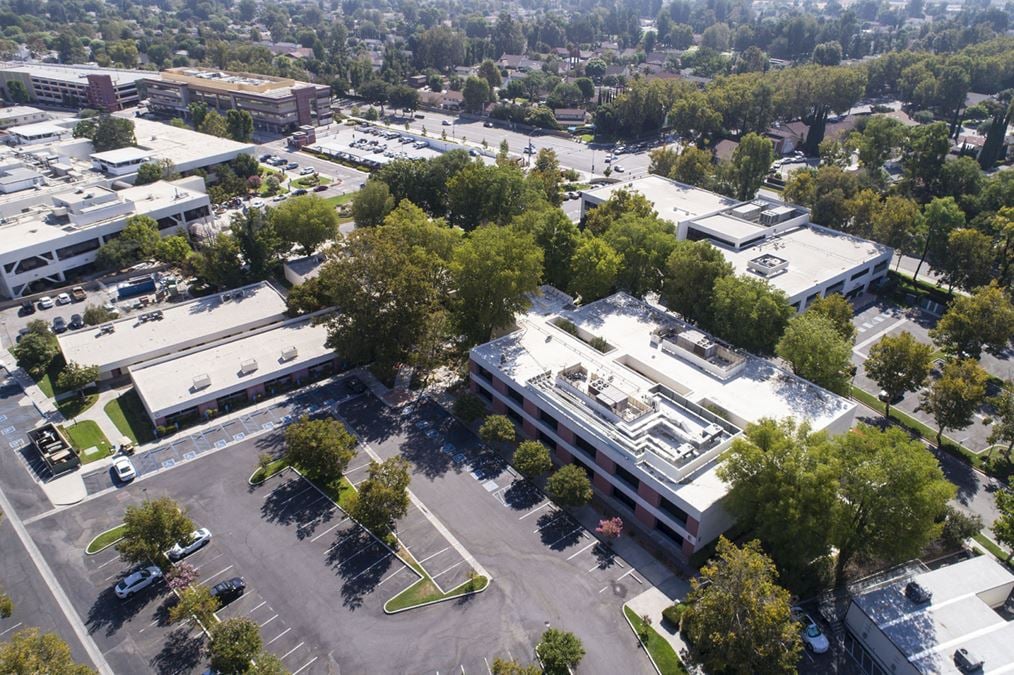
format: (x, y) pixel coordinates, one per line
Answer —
(674, 614)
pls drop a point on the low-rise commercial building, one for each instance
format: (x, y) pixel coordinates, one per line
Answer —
(764, 238)
(277, 104)
(222, 376)
(21, 114)
(39, 132)
(955, 619)
(117, 345)
(643, 402)
(75, 86)
(48, 246)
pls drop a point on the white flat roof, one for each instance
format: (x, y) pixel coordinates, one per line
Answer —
(167, 385)
(147, 199)
(638, 369)
(76, 73)
(126, 154)
(815, 255)
(37, 128)
(184, 147)
(19, 111)
(184, 325)
(959, 615)
(673, 201)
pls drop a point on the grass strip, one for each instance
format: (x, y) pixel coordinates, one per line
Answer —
(425, 591)
(264, 472)
(128, 415)
(661, 651)
(993, 548)
(920, 429)
(87, 434)
(105, 540)
(75, 405)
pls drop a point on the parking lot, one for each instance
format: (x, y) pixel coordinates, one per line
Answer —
(551, 571)
(185, 447)
(373, 147)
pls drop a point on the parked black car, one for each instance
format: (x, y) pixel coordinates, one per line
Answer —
(228, 590)
(26, 308)
(76, 322)
(355, 385)
(59, 325)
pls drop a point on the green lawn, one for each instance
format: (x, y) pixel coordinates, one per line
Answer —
(105, 540)
(128, 414)
(342, 492)
(338, 200)
(990, 546)
(75, 405)
(86, 434)
(425, 590)
(662, 653)
(47, 383)
(263, 473)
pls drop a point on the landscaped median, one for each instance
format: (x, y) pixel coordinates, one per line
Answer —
(425, 591)
(659, 651)
(105, 540)
(340, 493)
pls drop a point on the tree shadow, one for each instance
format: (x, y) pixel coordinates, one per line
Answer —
(181, 652)
(558, 530)
(605, 557)
(522, 495)
(361, 561)
(371, 419)
(297, 502)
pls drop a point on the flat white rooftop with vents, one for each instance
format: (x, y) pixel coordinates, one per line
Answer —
(672, 200)
(187, 324)
(181, 381)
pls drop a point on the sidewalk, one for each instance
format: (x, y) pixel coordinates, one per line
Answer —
(97, 413)
(653, 601)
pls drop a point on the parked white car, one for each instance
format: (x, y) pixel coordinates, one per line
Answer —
(813, 636)
(45, 302)
(136, 581)
(63, 299)
(124, 469)
(182, 549)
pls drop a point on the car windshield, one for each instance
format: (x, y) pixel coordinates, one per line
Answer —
(812, 630)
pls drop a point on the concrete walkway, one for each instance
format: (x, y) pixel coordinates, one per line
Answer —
(97, 413)
(653, 601)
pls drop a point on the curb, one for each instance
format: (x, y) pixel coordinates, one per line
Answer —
(434, 602)
(110, 544)
(639, 642)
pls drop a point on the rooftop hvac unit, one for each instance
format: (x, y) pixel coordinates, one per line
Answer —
(289, 353)
(202, 381)
(248, 366)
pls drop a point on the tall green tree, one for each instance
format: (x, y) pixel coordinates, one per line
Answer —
(690, 274)
(217, 262)
(106, 132)
(925, 151)
(751, 161)
(383, 288)
(372, 204)
(321, 448)
(195, 601)
(898, 364)
(839, 311)
(560, 651)
(569, 486)
(234, 643)
(75, 377)
(497, 430)
(594, 268)
(644, 244)
(36, 349)
(738, 619)
(480, 194)
(558, 238)
(214, 124)
(531, 459)
(240, 125)
(1002, 429)
(969, 260)
(475, 93)
(984, 319)
(493, 272)
(749, 313)
(953, 398)
(383, 496)
(137, 241)
(817, 351)
(1003, 527)
(306, 221)
(31, 651)
(620, 203)
(151, 528)
(940, 218)
(258, 240)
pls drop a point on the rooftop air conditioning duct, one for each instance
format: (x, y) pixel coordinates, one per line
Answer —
(202, 381)
(248, 366)
(289, 353)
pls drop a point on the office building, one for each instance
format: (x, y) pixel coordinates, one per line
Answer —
(643, 402)
(48, 245)
(75, 86)
(221, 376)
(954, 619)
(19, 115)
(276, 104)
(763, 238)
(117, 345)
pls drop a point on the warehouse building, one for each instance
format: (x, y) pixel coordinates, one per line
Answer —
(75, 86)
(643, 402)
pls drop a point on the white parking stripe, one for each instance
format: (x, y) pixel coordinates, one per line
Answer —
(574, 555)
(279, 635)
(338, 524)
(109, 562)
(216, 574)
(289, 499)
(305, 666)
(315, 518)
(354, 532)
(629, 572)
(460, 562)
(358, 468)
(537, 508)
(559, 515)
(269, 621)
(251, 611)
(388, 555)
(576, 529)
(392, 575)
(293, 649)
(434, 555)
(10, 629)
